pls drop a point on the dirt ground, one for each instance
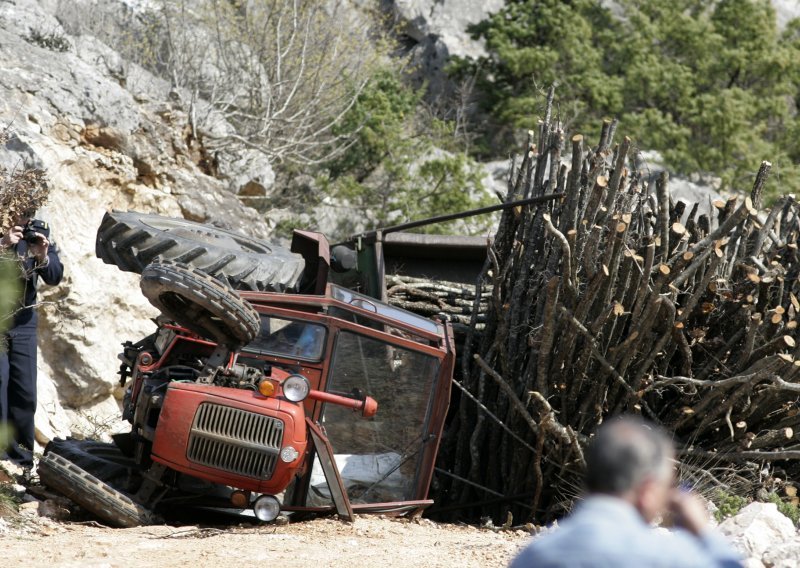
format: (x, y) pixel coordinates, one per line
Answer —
(34, 541)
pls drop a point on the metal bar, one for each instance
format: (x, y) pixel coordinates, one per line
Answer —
(468, 482)
(501, 498)
(459, 215)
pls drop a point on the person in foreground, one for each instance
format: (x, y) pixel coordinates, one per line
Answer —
(630, 482)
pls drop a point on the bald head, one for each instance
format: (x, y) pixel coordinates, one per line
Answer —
(624, 453)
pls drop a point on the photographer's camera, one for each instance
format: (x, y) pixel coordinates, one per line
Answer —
(34, 230)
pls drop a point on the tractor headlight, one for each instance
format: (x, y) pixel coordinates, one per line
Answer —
(267, 508)
(296, 388)
(289, 454)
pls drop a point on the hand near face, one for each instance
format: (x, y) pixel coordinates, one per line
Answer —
(12, 237)
(40, 247)
(688, 511)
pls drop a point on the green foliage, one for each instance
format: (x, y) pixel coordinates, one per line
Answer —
(9, 500)
(283, 229)
(9, 292)
(404, 164)
(52, 40)
(727, 504)
(711, 85)
(788, 509)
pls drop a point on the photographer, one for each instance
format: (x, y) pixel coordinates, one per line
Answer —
(29, 240)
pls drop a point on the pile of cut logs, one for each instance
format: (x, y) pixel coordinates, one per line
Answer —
(617, 299)
(449, 300)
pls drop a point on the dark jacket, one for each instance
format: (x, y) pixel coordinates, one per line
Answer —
(50, 272)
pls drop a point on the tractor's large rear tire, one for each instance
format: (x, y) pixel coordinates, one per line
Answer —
(95, 496)
(198, 302)
(132, 240)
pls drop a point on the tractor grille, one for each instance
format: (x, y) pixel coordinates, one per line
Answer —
(235, 440)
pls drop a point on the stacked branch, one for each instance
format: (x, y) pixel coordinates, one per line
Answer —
(449, 300)
(618, 299)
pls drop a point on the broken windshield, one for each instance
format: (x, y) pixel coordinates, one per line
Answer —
(379, 457)
(292, 338)
(373, 305)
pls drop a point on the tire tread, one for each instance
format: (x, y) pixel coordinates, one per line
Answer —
(97, 497)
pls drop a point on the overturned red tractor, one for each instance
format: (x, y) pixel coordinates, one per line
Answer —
(290, 394)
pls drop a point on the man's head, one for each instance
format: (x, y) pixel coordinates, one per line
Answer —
(632, 460)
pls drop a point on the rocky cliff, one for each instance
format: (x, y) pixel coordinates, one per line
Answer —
(109, 137)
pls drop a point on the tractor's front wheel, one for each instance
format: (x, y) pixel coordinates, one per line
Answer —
(201, 303)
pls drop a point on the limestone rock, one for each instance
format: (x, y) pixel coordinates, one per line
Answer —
(439, 28)
(447, 20)
(495, 178)
(696, 190)
(108, 139)
(785, 555)
(98, 421)
(758, 528)
(247, 172)
(51, 421)
(29, 509)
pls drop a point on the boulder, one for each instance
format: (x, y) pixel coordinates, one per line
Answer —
(785, 555)
(758, 528)
(248, 173)
(438, 29)
(700, 190)
(98, 421)
(495, 177)
(51, 421)
(446, 20)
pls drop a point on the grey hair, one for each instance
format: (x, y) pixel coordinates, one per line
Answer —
(624, 453)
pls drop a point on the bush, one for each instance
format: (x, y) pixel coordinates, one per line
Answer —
(404, 163)
(20, 190)
(9, 294)
(728, 504)
(52, 40)
(280, 72)
(9, 500)
(788, 509)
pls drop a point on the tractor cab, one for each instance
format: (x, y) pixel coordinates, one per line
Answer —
(348, 344)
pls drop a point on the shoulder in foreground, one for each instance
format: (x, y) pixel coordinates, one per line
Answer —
(656, 548)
